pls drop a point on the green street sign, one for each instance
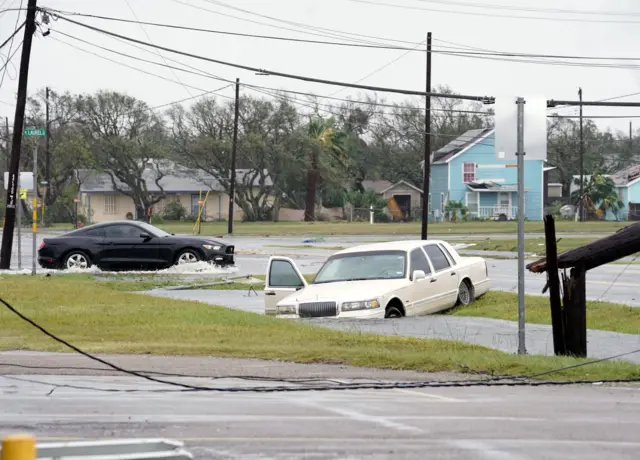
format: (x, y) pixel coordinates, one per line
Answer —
(35, 132)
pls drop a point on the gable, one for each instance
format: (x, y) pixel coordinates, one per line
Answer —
(462, 144)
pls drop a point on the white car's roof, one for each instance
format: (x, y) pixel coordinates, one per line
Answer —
(402, 245)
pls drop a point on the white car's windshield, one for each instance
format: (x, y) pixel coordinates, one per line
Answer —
(359, 266)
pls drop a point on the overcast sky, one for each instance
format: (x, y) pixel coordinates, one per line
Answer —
(63, 68)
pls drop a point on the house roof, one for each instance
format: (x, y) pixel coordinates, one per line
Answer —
(182, 180)
(376, 185)
(402, 182)
(626, 175)
(488, 186)
(466, 140)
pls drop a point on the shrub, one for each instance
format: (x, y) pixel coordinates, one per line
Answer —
(174, 211)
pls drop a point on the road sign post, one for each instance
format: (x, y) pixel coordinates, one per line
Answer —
(34, 211)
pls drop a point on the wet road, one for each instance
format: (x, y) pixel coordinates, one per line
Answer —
(586, 422)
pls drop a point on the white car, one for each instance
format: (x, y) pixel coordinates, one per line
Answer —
(381, 280)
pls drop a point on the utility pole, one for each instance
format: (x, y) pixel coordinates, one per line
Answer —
(581, 204)
(427, 145)
(234, 151)
(18, 125)
(8, 150)
(47, 155)
(520, 154)
(630, 139)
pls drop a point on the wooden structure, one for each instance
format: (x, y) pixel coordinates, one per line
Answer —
(569, 318)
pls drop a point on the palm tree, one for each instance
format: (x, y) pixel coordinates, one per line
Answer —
(452, 208)
(599, 196)
(326, 139)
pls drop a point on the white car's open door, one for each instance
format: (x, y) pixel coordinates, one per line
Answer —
(283, 278)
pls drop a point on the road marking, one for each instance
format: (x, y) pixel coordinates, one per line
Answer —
(360, 417)
(428, 395)
(484, 450)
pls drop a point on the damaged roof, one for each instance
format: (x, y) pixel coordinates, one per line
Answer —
(626, 175)
(458, 144)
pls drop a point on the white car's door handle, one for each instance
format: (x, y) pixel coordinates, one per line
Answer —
(453, 273)
(433, 280)
(269, 293)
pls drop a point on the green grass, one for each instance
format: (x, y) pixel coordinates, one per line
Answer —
(100, 319)
(364, 228)
(602, 316)
(531, 245)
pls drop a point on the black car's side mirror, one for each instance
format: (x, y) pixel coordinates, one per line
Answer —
(145, 236)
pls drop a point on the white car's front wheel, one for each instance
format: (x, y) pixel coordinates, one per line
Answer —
(465, 293)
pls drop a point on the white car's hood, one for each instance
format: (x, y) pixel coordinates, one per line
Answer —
(345, 291)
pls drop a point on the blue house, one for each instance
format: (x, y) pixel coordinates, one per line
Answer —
(627, 182)
(468, 170)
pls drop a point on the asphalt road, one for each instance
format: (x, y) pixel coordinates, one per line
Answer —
(585, 422)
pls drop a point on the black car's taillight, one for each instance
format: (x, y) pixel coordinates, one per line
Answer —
(42, 245)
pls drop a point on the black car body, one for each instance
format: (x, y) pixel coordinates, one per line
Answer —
(129, 245)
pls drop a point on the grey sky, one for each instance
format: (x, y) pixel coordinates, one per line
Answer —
(63, 68)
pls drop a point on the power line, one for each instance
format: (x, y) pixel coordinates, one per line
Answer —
(205, 74)
(5, 66)
(530, 9)
(491, 15)
(484, 99)
(151, 41)
(16, 28)
(235, 34)
(10, 38)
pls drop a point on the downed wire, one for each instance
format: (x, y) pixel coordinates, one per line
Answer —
(491, 382)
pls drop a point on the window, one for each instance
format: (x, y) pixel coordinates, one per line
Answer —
(438, 259)
(446, 251)
(468, 172)
(283, 275)
(472, 202)
(122, 231)
(366, 265)
(504, 200)
(94, 233)
(110, 204)
(419, 262)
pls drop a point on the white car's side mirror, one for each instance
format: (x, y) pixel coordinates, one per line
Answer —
(418, 275)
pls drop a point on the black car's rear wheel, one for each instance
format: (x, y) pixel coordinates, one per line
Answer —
(76, 260)
(188, 256)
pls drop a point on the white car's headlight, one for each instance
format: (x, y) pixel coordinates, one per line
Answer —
(362, 305)
(286, 310)
(212, 247)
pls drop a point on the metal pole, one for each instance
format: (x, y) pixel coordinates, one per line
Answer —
(520, 154)
(19, 219)
(34, 210)
(581, 204)
(234, 147)
(426, 173)
(18, 124)
(47, 154)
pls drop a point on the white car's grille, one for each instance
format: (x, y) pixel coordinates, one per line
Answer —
(317, 309)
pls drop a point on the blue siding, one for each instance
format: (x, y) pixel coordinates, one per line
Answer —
(439, 184)
(483, 154)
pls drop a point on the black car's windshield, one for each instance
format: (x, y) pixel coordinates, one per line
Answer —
(155, 231)
(358, 266)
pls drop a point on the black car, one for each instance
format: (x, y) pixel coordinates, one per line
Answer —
(129, 245)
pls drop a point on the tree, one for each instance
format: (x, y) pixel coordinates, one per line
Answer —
(600, 195)
(327, 147)
(128, 142)
(267, 136)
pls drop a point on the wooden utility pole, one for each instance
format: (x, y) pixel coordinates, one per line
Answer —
(18, 125)
(426, 173)
(557, 319)
(575, 312)
(234, 150)
(581, 205)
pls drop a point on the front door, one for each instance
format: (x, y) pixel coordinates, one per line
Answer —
(422, 292)
(283, 279)
(504, 204)
(119, 247)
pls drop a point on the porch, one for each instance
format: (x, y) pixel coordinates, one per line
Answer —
(492, 201)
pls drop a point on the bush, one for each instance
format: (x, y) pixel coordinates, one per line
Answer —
(174, 211)
(157, 219)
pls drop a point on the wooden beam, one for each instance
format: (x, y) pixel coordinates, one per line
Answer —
(623, 243)
(557, 318)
